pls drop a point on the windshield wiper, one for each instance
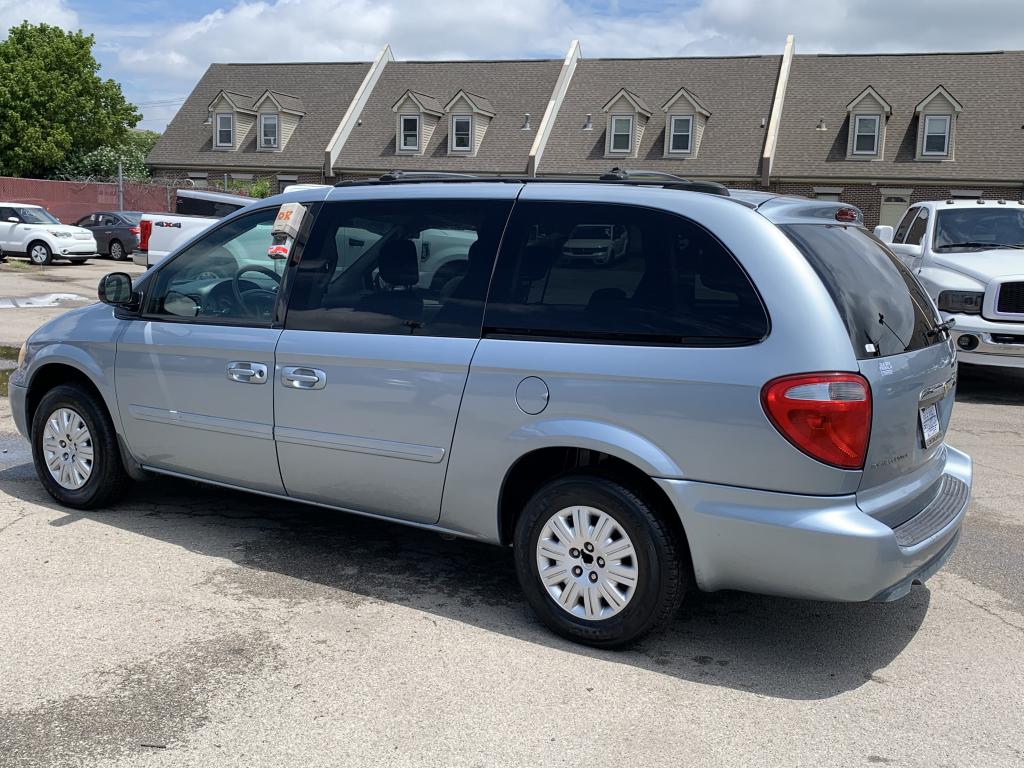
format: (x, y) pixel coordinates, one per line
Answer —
(975, 244)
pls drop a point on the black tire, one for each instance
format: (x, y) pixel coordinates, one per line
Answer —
(108, 481)
(117, 251)
(662, 561)
(45, 258)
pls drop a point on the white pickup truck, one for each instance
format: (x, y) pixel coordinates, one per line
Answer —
(195, 211)
(969, 255)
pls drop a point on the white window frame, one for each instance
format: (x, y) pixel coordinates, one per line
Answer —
(672, 134)
(264, 118)
(948, 121)
(217, 129)
(611, 134)
(451, 144)
(402, 146)
(876, 133)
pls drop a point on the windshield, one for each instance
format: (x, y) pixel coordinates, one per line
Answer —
(36, 216)
(966, 229)
(591, 232)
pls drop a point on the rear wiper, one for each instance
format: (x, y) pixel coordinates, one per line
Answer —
(940, 328)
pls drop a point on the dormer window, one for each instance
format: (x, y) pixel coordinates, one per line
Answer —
(936, 125)
(621, 134)
(685, 120)
(936, 135)
(269, 123)
(868, 113)
(462, 133)
(865, 134)
(225, 133)
(410, 129)
(680, 134)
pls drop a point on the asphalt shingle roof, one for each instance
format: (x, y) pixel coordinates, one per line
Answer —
(509, 89)
(737, 91)
(322, 91)
(989, 141)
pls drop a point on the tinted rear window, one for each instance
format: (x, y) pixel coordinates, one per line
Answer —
(193, 206)
(618, 273)
(885, 309)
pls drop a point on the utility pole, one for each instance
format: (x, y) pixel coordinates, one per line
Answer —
(120, 186)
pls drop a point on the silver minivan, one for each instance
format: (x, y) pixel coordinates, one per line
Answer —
(753, 395)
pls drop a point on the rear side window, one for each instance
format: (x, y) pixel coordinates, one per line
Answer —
(617, 273)
(904, 227)
(885, 309)
(917, 229)
(399, 267)
(192, 206)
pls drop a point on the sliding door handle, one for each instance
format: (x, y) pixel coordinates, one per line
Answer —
(298, 377)
(247, 373)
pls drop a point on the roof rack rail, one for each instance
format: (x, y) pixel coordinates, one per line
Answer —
(615, 176)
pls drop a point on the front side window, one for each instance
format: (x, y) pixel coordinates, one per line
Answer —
(681, 134)
(462, 130)
(225, 277)
(622, 133)
(268, 131)
(984, 227)
(225, 130)
(409, 130)
(620, 274)
(398, 267)
(865, 136)
(936, 135)
(917, 229)
(904, 225)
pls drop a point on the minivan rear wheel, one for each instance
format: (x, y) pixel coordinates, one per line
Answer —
(596, 562)
(75, 450)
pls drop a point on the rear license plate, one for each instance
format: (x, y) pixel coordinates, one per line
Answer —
(930, 425)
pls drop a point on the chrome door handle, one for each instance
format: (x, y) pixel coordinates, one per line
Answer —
(298, 377)
(247, 373)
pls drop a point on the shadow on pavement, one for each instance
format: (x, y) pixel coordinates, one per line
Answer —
(990, 386)
(769, 646)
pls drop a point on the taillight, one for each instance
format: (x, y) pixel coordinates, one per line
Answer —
(825, 415)
(133, 230)
(145, 230)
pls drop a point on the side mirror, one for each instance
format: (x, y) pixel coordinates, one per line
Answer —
(884, 233)
(116, 289)
(14, 220)
(914, 250)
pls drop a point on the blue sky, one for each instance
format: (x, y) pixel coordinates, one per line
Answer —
(158, 50)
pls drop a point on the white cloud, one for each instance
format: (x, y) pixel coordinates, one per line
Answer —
(55, 12)
(172, 57)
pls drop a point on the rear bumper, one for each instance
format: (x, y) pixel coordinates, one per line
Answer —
(815, 547)
(141, 258)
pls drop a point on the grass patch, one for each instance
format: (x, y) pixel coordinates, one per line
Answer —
(8, 353)
(5, 376)
(16, 266)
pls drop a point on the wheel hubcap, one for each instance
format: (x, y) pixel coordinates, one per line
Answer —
(68, 449)
(38, 253)
(587, 562)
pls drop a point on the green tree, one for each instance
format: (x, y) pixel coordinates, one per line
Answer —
(131, 153)
(52, 101)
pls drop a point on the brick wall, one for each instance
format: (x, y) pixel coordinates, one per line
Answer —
(71, 200)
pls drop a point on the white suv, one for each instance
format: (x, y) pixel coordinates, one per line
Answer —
(31, 230)
(969, 254)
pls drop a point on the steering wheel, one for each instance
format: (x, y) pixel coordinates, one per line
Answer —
(259, 296)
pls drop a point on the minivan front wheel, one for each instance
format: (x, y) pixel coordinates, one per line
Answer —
(596, 562)
(75, 450)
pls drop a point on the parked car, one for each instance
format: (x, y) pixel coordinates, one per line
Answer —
(598, 243)
(116, 232)
(724, 409)
(195, 211)
(968, 254)
(32, 231)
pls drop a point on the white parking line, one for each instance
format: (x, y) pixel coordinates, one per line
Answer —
(42, 300)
